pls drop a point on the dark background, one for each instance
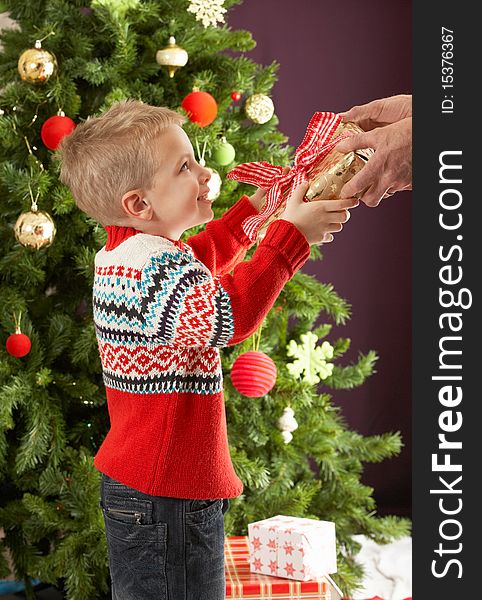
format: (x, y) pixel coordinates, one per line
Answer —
(334, 56)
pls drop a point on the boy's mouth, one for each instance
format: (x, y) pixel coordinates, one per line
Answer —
(204, 198)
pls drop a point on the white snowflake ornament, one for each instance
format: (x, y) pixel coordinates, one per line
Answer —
(209, 12)
(310, 359)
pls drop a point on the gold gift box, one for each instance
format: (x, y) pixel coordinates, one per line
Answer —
(329, 175)
(332, 172)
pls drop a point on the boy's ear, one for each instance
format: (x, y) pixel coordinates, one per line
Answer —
(136, 205)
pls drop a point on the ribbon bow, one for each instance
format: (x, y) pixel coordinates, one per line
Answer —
(315, 145)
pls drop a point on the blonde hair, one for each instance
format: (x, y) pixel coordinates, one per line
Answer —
(106, 156)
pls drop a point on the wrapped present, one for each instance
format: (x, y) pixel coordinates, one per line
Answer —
(316, 160)
(331, 173)
(292, 547)
(241, 582)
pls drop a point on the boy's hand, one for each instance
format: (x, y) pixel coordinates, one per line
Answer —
(258, 198)
(317, 220)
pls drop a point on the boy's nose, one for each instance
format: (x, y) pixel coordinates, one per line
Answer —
(205, 175)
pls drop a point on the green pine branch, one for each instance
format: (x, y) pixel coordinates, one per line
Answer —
(344, 378)
(374, 448)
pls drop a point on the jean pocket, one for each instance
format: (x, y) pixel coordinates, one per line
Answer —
(204, 535)
(139, 546)
(137, 558)
(127, 510)
(202, 511)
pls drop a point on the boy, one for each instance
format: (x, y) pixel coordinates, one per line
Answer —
(162, 309)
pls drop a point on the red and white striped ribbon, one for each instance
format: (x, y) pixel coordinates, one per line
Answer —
(315, 145)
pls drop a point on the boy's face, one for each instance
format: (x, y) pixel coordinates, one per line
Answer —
(179, 193)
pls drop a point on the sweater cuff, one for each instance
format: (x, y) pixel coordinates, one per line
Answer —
(289, 242)
(233, 218)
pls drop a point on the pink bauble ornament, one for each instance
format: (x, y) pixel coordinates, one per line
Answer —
(253, 374)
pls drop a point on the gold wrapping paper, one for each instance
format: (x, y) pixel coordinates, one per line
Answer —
(329, 175)
(332, 172)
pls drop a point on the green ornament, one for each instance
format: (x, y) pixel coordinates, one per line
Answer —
(224, 154)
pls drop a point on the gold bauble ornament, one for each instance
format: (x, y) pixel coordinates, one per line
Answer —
(172, 56)
(36, 65)
(35, 229)
(259, 108)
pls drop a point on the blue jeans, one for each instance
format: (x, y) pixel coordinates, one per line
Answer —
(163, 548)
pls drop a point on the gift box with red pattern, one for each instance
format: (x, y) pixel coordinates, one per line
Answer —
(292, 547)
(241, 582)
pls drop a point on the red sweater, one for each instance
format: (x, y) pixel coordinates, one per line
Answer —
(162, 310)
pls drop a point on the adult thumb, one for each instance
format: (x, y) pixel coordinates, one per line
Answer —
(354, 114)
(354, 142)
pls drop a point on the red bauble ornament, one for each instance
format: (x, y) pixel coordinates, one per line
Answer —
(253, 374)
(236, 96)
(201, 108)
(18, 344)
(55, 129)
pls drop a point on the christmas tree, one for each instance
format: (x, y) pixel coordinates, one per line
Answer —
(53, 415)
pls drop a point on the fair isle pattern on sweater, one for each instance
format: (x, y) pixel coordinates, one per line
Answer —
(160, 317)
(168, 442)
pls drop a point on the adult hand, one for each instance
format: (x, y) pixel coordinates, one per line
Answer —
(389, 133)
(379, 113)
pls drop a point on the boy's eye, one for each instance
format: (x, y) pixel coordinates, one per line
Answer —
(185, 166)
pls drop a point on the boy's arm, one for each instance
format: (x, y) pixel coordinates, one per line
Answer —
(183, 304)
(223, 244)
